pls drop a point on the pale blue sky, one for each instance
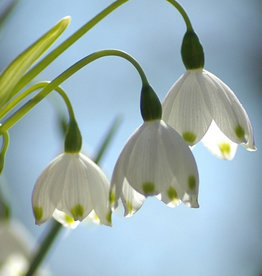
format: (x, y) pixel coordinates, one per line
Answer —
(221, 238)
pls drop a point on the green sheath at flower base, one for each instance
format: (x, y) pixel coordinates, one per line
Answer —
(73, 139)
(150, 105)
(192, 51)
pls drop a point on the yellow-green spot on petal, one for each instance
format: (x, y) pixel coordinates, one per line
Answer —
(96, 218)
(77, 212)
(38, 212)
(191, 182)
(68, 219)
(129, 207)
(224, 148)
(112, 197)
(148, 188)
(240, 132)
(171, 193)
(109, 217)
(189, 136)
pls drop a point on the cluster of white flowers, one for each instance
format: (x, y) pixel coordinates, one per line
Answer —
(156, 161)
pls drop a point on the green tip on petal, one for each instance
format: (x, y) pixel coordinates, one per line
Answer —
(77, 212)
(38, 213)
(240, 132)
(224, 148)
(129, 207)
(191, 182)
(189, 137)
(68, 219)
(171, 193)
(112, 197)
(109, 217)
(148, 188)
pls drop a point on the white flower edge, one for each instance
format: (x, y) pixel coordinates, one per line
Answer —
(199, 98)
(73, 184)
(155, 161)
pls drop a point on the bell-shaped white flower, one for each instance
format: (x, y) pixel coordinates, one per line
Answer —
(155, 161)
(15, 253)
(198, 100)
(72, 183)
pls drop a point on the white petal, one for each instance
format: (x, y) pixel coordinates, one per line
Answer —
(65, 220)
(92, 218)
(99, 190)
(184, 108)
(182, 164)
(75, 198)
(42, 204)
(218, 143)
(143, 160)
(132, 200)
(170, 196)
(227, 111)
(121, 166)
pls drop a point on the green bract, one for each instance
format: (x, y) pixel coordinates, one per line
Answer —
(192, 51)
(150, 105)
(73, 139)
(18, 67)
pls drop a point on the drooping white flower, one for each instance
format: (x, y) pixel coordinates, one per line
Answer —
(15, 253)
(155, 161)
(72, 183)
(199, 103)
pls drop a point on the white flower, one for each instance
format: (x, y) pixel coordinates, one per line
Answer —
(15, 254)
(199, 100)
(155, 161)
(75, 185)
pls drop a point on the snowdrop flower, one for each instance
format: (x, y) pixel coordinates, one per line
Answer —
(154, 162)
(199, 106)
(73, 184)
(15, 250)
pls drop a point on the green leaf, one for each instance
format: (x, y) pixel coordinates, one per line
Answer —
(5, 13)
(107, 139)
(18, 67)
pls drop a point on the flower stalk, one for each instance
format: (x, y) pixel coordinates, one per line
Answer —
(183, 13)
(39, 67)
(14, 118)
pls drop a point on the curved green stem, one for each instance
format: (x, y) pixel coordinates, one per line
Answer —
(65, 45)
(183, 13)
(32, 89)
(64, 76)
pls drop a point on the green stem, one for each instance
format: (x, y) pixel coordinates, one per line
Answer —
(32, 89)
(183, 13)
(107, 140)
(14, 118)
(45, 246)
(4, 149)
(57, 227)
(65, 45)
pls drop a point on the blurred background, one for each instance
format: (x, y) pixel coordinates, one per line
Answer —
(221, 238)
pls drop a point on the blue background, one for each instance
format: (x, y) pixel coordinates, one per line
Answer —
(223, 236)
